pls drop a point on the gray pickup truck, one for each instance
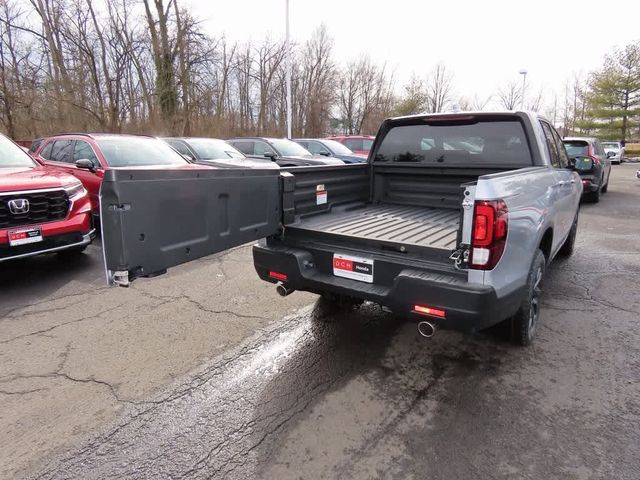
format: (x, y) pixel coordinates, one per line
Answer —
(450, 222)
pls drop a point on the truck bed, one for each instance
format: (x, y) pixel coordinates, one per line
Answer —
(422, 226)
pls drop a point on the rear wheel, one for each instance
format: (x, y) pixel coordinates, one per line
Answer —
(567, 247)
(525, 321)
(595, 196)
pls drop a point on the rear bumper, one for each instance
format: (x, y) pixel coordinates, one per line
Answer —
(468, 307)
(588, 184)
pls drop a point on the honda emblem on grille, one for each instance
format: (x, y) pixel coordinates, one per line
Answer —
(18, 206)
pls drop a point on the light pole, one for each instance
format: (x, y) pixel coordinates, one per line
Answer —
(522, 72)
(288, 73)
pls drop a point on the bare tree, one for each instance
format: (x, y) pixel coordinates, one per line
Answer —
(510, 95)
(365, 96)
(439, 88)
(476, 103)
(316, 85)
(149, 67)
(480, 103)
(535, 101)
(163, 56)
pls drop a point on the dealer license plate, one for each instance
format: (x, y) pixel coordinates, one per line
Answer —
(355, 268)
(25, 236)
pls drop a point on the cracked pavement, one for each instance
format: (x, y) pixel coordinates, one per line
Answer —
(204, 373)
(73, 352)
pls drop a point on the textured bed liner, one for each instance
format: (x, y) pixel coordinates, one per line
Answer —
(422, 226)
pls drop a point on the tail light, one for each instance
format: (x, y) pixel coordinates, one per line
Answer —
(490, 225)
(592, 154)
(279, 276)
(429, 311)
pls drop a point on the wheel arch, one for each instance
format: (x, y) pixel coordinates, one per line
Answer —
(546, 243)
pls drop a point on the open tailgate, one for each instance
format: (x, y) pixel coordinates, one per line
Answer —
(155, 219)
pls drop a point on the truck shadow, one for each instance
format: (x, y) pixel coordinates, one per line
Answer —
(371, 347)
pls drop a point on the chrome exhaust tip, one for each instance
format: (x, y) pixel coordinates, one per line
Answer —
(283, 291)
(427, 329)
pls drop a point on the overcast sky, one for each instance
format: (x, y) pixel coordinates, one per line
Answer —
(484, 42)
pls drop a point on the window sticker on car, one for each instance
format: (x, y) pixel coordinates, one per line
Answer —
(321, 195)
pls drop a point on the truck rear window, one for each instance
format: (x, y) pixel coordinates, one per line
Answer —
(474, 142)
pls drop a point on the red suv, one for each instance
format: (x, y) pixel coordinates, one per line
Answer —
(41, 210)
(360, 144)
(87, 156)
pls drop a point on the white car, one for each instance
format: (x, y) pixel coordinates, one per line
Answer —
(614, 151)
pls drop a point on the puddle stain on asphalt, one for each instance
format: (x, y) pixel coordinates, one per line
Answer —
(218, 422)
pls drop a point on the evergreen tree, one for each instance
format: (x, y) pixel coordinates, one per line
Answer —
(614, 96)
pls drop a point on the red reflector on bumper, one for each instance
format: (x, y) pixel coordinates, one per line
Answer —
(278, 276)
(434, 312)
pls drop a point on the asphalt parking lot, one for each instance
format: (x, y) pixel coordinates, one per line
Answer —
(206, 373)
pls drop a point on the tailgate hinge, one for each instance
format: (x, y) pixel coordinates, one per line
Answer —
(118, 277)
(460, 257)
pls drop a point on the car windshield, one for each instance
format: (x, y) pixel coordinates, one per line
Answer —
(576, 148)
(287, 148)
(138, 152)
(367, 144)
(337, 147)
(611, 146)
(482, 141)
(12, 156)
(212, 149)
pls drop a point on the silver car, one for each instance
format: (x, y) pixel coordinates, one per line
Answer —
(614, 151)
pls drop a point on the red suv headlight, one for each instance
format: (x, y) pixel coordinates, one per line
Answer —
(74, 191)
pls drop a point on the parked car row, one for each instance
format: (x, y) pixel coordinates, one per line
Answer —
(50, 192)
(51, 202)
(286, 153)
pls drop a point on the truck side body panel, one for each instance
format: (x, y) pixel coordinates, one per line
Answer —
(532, 210)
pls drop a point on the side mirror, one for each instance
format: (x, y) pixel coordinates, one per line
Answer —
(271, 155)
(611, 154)
(325, 154)
(86, 164)
(583, 164)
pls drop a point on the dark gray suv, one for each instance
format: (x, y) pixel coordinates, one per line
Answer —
(595, 180)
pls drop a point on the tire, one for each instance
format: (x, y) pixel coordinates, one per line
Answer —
(72, 252)
(566, 250)
(524, 323)
(594, 197)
